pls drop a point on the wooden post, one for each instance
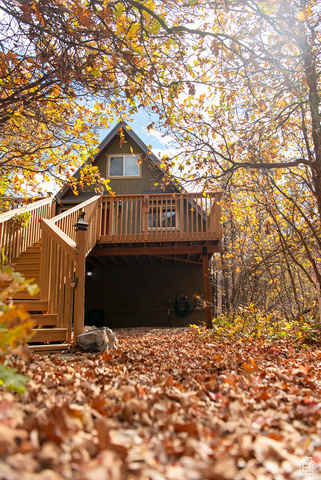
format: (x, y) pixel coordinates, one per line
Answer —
(219, 294)
(146, 212)
(53, 209)
(45, 255)
(207, 289)
(99, 219)
(79, 311)
(318, 295)
(217, 217)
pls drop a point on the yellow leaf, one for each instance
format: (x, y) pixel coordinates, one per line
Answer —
(304, 14)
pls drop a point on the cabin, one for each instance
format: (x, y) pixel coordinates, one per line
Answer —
(137, 255)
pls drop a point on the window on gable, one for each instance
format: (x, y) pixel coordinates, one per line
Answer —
(124, 166)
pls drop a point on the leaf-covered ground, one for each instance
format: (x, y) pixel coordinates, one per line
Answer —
(166, 405)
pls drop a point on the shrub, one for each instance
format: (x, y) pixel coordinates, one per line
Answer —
(250, 323)
(20, 220)
(15, 326)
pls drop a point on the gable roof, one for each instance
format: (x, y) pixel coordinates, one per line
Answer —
(108, 139)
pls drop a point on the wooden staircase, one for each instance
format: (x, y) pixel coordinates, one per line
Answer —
(46, 329)
(28, 264)
(52, 251)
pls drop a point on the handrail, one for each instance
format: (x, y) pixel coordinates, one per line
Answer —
(27, 208)
(62, 262)
(160, 217)
(58, 265)
(67, 220)
(74, 209)
(60, 237)
(13, 240)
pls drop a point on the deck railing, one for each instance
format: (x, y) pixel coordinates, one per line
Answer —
(160, 217)
(15, 240)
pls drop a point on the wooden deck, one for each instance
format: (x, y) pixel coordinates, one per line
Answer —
(180, 227)
(160, 218)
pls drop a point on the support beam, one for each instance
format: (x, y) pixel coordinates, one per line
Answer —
(79, 314)
(207, 289)
(167, 257)
(94, 262)
(113, 260)
(165, 250)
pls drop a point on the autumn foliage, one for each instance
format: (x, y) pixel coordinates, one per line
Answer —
(167, 404)
(15, 326)
(236, 85)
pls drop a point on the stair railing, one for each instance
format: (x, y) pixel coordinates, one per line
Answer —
(66, 220)
(62, 264)
(57, 273)
(14, 239)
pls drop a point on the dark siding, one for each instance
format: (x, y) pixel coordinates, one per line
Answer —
(138, 296)
(126, 186)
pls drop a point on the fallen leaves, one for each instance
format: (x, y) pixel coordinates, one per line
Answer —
(164, 406)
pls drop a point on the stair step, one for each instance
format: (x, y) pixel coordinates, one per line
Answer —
(50, 335)
(35, 270)
(28, 261)
(27, 273)
(34, 305)
(30, 276)
(34, 276)
(25, 296)
(26, 256)
(6, 285)
(34, 267)
(53, 339)
(58, 347)
(30, 252)
(44, 319)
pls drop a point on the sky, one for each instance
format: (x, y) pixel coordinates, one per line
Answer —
(160, 145)
(141, 120)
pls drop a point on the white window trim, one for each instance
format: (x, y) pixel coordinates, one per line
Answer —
(123, 155)
(163, 228)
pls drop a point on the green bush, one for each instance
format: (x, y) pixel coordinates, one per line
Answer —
(250, 323)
